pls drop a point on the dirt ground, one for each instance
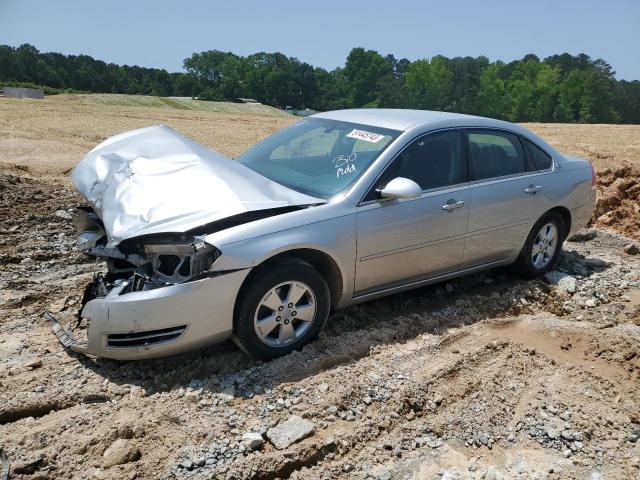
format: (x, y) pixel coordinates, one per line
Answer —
(487, 376)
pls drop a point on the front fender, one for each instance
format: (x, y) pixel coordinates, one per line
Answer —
(335, 237)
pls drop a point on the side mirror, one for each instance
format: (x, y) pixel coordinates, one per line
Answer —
(401, 187)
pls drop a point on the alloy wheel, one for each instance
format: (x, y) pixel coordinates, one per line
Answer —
(285, 313)
(544, 246)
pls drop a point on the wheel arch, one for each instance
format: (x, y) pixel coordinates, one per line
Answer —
(565, 214)
(318, 259)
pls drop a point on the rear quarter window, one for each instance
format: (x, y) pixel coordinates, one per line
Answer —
(541, 158)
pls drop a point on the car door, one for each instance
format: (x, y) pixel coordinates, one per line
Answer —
(406, 239)
(505, 198)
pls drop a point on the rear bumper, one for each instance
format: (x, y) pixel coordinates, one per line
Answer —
(158, 322)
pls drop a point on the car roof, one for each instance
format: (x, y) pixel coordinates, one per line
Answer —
(403, 119)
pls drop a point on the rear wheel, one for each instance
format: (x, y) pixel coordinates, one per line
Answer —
(541, 248)
(281, 310)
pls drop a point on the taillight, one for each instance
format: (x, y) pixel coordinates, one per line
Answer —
(594, 175)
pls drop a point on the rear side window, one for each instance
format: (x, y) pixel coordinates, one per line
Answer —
(496, 154)
(540, 157)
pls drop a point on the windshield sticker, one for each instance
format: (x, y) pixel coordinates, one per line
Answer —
(344, 164)
(364, 135)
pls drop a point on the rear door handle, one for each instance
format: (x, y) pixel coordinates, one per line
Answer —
(452, 205)
(531, 189)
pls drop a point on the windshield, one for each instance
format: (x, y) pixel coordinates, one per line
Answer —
(318, 157)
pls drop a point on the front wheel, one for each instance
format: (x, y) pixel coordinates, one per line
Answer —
(281, 310)
(541, 248)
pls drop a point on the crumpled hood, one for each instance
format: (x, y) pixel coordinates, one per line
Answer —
(154, 180)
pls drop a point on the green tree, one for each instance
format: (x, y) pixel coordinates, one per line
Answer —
(363, 70)
(492, 95)
(429, 84)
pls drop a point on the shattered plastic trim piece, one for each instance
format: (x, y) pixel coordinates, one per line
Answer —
(66, 337)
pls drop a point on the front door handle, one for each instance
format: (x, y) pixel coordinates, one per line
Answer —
(452, 205)
(532, 189)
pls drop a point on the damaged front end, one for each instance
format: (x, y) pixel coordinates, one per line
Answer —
(150, 261)
(140, 264)
(154, 196)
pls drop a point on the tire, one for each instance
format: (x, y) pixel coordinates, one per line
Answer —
(532, 264)
(266, 324)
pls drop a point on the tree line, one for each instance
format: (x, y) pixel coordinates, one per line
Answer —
(559, 88)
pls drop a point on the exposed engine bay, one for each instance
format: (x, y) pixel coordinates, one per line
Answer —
(143, 263)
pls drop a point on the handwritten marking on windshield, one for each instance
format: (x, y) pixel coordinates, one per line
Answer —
(344, 164)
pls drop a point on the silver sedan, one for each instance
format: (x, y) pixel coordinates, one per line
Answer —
(339, 208)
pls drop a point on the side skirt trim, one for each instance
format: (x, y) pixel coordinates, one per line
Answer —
(366, 296)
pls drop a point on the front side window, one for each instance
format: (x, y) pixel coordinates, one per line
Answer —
(496, 154)
(541, 158)
(318, 157)
(433, 161)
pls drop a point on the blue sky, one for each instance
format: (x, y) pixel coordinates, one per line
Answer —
(321, 32)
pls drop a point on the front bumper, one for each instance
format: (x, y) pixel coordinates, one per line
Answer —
(159, 322)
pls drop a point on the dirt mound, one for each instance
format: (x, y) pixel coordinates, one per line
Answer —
(618, 204)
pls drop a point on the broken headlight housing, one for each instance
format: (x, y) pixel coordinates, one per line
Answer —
(179, 260)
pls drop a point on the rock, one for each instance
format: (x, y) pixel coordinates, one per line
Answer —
(28, 466)
(200, 461)
(63, 214)
(40, 476)
(187, 464)
(120, 452)
(227, 394)
(374, 377)
(584, 235)
(287, 433)
(552, 433)
(253, 439)
(323, 387)
(564, 282)
(594, 262)
(433, 442)
(631, 249)
(34, 363)
(367, 400)
(591, 303)
(483, 438)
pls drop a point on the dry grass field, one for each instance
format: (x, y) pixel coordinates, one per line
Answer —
(485, 377)
(50, 136)
(607, 146)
